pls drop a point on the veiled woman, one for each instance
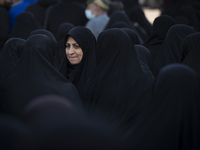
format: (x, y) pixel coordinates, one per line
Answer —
(119, 87)
(191, 53)
(80, 60)
(171, 48)
(34, 75)
(171, 120)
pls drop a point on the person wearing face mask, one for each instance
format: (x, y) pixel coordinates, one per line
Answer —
(96, 12)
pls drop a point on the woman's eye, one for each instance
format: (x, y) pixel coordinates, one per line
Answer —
(76, 46)
(67, 45)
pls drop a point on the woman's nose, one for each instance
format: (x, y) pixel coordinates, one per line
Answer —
(71, 50)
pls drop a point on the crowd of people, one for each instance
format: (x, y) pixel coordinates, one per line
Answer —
(97, 74)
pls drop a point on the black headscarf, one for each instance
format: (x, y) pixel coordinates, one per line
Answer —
(119, 16)
(65, 11)
(160, 28)
(39, 9)
(118, 87)
(191, 52)
(52, 37)
(132, 35)
(25, 23)
(10, 55)
(137, 15)
(35, 75)
(80, 73)
(171, 49)
(61, 33)
(145, 58)
(171, 121)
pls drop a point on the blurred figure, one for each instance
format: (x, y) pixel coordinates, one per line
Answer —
(96, 12)
(39, 9)
(4, 25)
(115, 5)
(65, 11)
(16, 10)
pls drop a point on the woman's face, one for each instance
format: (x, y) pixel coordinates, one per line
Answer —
(73, 51)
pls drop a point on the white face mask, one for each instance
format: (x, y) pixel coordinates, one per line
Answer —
(89, 14)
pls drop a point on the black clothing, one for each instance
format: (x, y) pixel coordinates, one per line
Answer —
(119, 87)
(61, 33)
(161, 26)
(65, 11)
(145, 58)
(35, 75)
(119, 16)
(39, 9)
(25, 23)
(52, 37)
(171, 48)
(191, 53)
(137, 16)
(171, 120)
(13, 131)
(80, 73)
(10, 55)
(60, 124)
(132, 35)
(4, 26)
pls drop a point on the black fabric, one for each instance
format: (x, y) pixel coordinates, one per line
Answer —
(59, 124)
(145, 58)
(160, 28)
(129, 4)
(137, 16)
(80, 73)
(45, 32)
(171, 121)
(4, 26)
(13, 131)
(132, 35)
(10, 55)
(119, 87)
(119, 16)
(24, 24)
(171, 49)
(120, 24)
(52, 37)
(61, 33)
(35, 75)
(187, 8)
(39, 9)
(188, 11)
(52, 113)
(191, 52)
(65, 11)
